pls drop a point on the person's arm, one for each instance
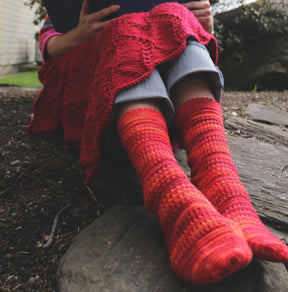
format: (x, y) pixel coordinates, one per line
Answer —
(46, 32)
(89, 26)
(202, 10)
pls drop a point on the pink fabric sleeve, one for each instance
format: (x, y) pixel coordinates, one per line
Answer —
(46, 33)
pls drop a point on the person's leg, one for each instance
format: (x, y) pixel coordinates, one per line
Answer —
(203, 245)
(199, 119)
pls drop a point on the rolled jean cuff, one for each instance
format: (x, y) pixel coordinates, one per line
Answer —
(194, 59)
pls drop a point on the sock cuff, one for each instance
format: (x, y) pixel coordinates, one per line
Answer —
(142, 113)
(198, 104)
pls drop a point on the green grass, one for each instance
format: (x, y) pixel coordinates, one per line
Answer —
(28, 79)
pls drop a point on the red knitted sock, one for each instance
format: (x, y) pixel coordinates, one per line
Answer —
(203, 245)
(214, 173)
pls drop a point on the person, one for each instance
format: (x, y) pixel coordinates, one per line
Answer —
(143, 78)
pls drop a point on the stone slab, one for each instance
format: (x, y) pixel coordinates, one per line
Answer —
(268, 133)
(267, 114)
(263, 169)
(124, 250)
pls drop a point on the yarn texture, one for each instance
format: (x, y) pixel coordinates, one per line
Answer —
(79, 87)
(214, 173)
(204, 246)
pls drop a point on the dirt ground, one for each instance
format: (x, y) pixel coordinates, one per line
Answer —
(39, 176)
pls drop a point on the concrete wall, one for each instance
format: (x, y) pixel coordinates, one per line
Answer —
(17, 43)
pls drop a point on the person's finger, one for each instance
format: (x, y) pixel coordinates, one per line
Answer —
(197, 5)
(99, 15)
(97, 27)
(100, 25)
(202, 12)
(203, 19)
(85, 7)
(104, 23)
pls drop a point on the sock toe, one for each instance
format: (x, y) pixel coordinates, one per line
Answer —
(267, 246)
(215, 174)
(225, 255)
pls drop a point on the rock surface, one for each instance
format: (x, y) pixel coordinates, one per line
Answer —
(267, 114)
(264, 132)
(124, 250)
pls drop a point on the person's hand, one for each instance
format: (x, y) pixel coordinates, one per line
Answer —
(203, 12)
(90, 25)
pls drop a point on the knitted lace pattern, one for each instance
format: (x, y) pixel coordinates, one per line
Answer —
(79, 87)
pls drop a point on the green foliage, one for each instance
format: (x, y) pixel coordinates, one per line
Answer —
(255, 89)
(39, 10)
(249, 23)
(267, 18)
(246, 37)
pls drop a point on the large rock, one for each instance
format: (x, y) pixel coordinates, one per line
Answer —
(124, 250)
(254, 55)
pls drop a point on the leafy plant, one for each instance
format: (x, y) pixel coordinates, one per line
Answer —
(40, 11)
(250, 22)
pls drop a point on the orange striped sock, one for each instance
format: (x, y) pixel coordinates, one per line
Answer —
(203, 245)
(214, 173)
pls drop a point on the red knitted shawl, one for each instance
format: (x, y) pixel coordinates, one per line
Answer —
(79, 87)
